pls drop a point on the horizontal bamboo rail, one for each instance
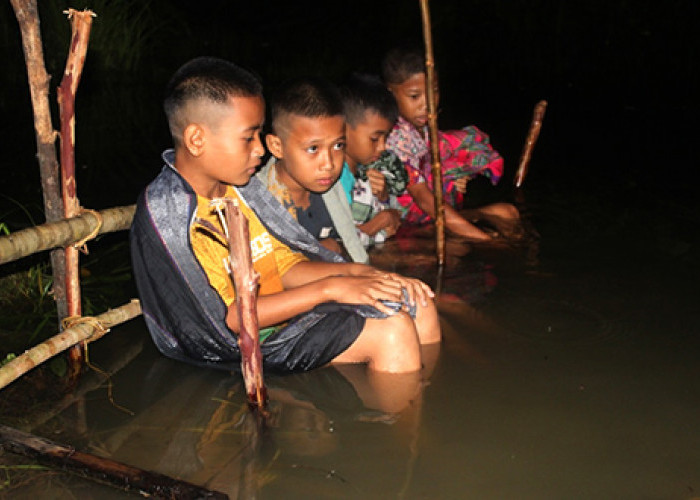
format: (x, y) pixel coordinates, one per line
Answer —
(83, 331)
(63, 232)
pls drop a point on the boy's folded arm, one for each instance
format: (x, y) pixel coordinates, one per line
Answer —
(378, 184)
(386, 219)
(423, 197)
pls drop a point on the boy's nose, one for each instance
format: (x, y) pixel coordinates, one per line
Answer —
(327, 162)
(259, 149)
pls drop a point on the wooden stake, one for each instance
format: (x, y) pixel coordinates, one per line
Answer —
(245, 280)
(431, 85)
(532, 135)
(28, 19)
(81, 23)
(103, 470)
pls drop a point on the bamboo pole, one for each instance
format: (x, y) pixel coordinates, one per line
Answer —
(104, 470)
(81, 23)
(28, 19)
(532, 135)
(245, 280)
(431, 87)
(65, 232)
(89, 330)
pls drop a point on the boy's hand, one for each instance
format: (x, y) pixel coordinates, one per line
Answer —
(418, 292)
(461, 184)
(377, 183)
(367, 290)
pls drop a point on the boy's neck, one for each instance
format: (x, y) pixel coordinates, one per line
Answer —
(352, 164)
(298, 193)
(191, 172)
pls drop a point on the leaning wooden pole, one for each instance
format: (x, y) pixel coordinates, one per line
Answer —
(245, 280)
(103, 470)
(431, 87)
(532, 135)
(81, 23)
(84, 330)
(28, 19)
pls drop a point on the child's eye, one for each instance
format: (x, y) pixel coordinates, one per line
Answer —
(374, 139)
(339, 146)
(312, 149)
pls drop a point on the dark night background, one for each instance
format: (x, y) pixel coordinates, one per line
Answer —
(621, 78)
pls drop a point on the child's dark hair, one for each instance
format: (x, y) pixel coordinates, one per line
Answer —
(400, 63)
(209, 79)
(362, 92)
(309, 97)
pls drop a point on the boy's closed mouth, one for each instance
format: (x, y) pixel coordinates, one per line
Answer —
(325, 181)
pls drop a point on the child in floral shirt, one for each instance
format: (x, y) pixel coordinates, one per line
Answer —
(464, 154)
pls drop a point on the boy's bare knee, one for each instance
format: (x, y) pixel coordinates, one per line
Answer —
(506, 211)
(397, 348)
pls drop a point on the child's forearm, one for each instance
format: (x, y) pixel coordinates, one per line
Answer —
(306, 272)
(386, 219)
(349, 283)
(280, 307)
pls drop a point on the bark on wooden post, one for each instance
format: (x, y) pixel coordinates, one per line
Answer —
(81, 23)
(431, 87)
(532, 135)
(28, 19)
(245, 280)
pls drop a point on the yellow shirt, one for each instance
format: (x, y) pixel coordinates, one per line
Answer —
(271, 258)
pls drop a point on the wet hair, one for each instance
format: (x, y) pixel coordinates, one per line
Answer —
(362, 92)
(205, 79)
(400, 64)
(309, 97)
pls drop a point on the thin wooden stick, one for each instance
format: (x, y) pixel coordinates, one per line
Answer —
(245, 280)
(81, 23)
(84, 331)
(101, 469)
(64, 232)
(431, 85)
(532, 135)
(28, 19)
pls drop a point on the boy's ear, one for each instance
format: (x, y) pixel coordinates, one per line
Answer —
(274, 144)
(193, 139)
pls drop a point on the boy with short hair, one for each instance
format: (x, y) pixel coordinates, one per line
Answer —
(377, 175)
(308, 147)
(215, 112)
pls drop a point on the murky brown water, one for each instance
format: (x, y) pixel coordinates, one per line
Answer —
(565, 372)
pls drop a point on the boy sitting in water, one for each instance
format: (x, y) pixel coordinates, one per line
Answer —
(321, 311)
(464, 154)
(308, 147)
(376, 175)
